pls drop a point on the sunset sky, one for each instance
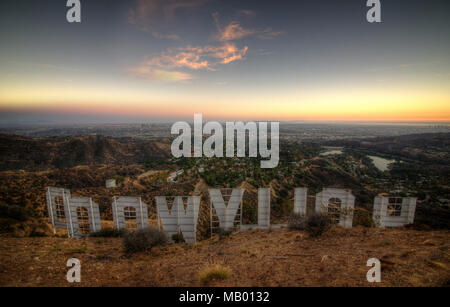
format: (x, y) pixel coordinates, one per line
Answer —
(145, 60)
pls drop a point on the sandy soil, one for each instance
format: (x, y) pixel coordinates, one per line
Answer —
(256, 258)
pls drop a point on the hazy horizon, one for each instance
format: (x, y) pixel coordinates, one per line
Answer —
(48, 120)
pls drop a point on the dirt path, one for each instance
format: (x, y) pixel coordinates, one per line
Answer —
(149, 173)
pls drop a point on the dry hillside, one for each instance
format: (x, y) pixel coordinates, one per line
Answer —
(255, 258)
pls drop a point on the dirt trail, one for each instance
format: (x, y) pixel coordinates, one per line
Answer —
(200, 187)
(149, 173)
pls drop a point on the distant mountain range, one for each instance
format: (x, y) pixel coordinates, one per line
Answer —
(18, 152)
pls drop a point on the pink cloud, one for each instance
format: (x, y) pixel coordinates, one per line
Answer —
(150, 73)
(228, 53)
(169, 65)
(188, 57)
(166, 66)
(234, 31)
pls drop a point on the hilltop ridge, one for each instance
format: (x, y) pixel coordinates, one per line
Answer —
(17, 152)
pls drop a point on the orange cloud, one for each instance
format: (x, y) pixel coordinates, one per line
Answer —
(189, 57)
(234, 31)
(230, 53)
(193, 58)
(206, 57)
(226, 53)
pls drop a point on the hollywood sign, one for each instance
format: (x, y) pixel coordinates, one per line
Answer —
(179, 214)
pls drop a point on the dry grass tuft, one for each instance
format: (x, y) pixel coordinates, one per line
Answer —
(215, 272)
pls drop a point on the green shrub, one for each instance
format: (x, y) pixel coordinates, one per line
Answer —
(224, 233)
(7, 225)
(37, 234)
(315, 224)
(297, 221)
(109, 233)
(432, 216)
(178, 238)
(144, 239)
(13, 212)
(10, 216)
(363, 217)
(118, 178)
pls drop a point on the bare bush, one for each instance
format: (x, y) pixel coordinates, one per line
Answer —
(315, 224)
(144, 240)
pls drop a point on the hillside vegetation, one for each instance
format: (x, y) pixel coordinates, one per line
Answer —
(18, 152)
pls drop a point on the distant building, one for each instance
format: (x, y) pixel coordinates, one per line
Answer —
(174, 175)
(398, 191)
(111, 183)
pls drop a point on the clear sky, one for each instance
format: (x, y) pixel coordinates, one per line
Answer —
(248, 59)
